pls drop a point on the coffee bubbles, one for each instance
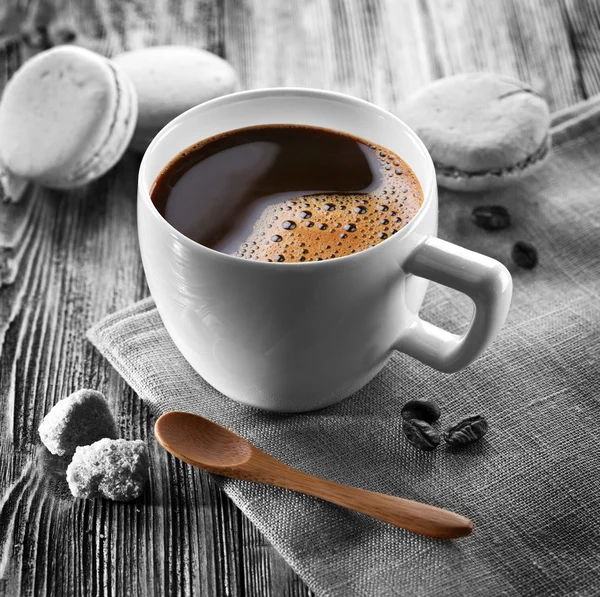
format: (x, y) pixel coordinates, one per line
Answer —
(349, 223)
(253, 193)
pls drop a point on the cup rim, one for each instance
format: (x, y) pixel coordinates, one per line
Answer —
(283, 92)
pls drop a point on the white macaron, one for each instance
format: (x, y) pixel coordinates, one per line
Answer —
(66, 118)
(170, 80)
(482, 130)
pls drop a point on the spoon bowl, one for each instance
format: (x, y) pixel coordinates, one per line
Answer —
(201, 442)
(206, 445)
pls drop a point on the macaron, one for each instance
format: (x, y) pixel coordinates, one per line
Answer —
(170, 80)
(66, 117)
(482, 130)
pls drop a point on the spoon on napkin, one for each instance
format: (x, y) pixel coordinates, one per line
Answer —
(206, 445)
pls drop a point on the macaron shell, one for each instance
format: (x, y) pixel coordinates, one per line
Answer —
(170, 80)
(117, 137)
(489, 181)
(55, 107)
(478, 121)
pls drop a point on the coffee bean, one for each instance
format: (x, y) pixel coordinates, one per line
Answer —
(421, 434)
(524, 255)
(491, 217)
(425, 410)
(466, 432)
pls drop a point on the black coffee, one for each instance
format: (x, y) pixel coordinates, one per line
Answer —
(287, 193)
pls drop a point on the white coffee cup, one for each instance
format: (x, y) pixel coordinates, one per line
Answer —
(300, 336)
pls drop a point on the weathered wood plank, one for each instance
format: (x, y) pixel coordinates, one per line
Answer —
(526, 39)
(583, 21)
(66, 259)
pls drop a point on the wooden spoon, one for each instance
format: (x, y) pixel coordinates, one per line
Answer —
(206, 445)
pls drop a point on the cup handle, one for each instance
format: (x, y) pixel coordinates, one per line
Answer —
(482, 278)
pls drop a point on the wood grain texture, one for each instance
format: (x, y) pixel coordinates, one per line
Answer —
(583, 28)
(67, 259)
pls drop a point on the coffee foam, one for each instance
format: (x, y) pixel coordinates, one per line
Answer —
(326, 226)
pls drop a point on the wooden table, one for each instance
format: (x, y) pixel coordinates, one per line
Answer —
(67, 259)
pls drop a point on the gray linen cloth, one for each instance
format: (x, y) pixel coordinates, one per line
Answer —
(532, 486)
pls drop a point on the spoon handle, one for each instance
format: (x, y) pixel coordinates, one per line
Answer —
(407, 514)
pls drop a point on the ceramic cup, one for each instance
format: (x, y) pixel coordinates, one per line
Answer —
(300, 336)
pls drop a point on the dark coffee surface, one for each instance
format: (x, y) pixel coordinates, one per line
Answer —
(287, 193)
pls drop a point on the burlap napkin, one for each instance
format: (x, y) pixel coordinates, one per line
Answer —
(532, 487)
